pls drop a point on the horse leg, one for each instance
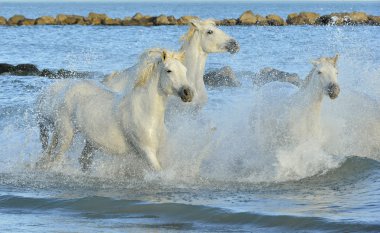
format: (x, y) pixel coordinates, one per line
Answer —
(44, 136)
(87, 156)
(65, 134)
(46, 157)
(151, 155)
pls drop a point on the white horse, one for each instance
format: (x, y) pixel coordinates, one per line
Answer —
(290, 120)
(202, 38)
(118, 123)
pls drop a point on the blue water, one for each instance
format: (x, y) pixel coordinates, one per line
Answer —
(237, 190)
(219, 10)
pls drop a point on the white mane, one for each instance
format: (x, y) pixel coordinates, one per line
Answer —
(148, 62)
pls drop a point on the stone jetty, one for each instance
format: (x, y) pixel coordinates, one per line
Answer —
(246, 18)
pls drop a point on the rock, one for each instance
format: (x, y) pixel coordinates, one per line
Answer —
(138, 16)
(227, 22)
(47, 73)
(275, 20)
(93, 15)
(164, 20)
(142, 20)
(138, 20)
(6, 68)
(293, 19)
(324, 20)
(25, 70)
(247, 18)
(221, 77)
(340, 19)
(69, 19)
(127, 21)
(184, 20)
(62, 73)
(80, 20)
(172, 20)
(303, 18)
(84, 22)
(74, 19)
(268, 74)
(262, 21)
(96, 19)
(27, 22)
(353, 18)
(358, 18)
(15, 20)
(61, 19)
(45, 20)
(112, 22)
(161, 20)
(3, 21)
(374, 20)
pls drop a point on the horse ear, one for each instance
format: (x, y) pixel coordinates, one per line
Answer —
(195, 24)
(335, 59)
(182, 56)
(164, 55)
(314, 62)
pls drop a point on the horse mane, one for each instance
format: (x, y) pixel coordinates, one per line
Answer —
(149, 61)
(308, 78)
(145, 73)
(188, 35)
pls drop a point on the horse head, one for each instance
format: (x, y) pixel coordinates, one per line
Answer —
(173, 80)
(211, 38)
(326, 71)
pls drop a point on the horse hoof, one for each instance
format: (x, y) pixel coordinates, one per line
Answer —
(43, 164)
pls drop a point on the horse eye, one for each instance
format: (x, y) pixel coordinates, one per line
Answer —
(319, 72)
(168, 71)
(210, 32)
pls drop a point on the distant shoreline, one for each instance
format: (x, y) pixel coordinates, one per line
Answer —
(247, 18)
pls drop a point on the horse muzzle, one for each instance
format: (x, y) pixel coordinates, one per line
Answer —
(333, 90)
(232, 46)
(186, 94)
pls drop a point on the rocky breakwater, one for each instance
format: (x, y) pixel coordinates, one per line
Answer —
(32, 70)
(247, 18)
(223, 77)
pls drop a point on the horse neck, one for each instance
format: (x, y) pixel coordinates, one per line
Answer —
(147, 103)
(306, 109)
(195, 61)
(311, 94)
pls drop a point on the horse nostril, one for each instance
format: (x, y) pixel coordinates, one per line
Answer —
(186, 92)
(333, 90)
(233, 46)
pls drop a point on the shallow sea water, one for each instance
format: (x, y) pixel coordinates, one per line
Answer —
(211, 182)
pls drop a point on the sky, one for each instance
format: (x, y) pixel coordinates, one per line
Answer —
(186, 0)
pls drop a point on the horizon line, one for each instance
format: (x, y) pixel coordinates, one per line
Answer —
(177, 1)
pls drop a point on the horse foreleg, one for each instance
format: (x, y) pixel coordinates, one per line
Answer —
(151, 155)
(87, 156)
(46, 157)
(65, 134)
(44, 136)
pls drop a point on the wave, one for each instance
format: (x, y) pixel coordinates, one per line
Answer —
(96, 207)
(354, 170)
